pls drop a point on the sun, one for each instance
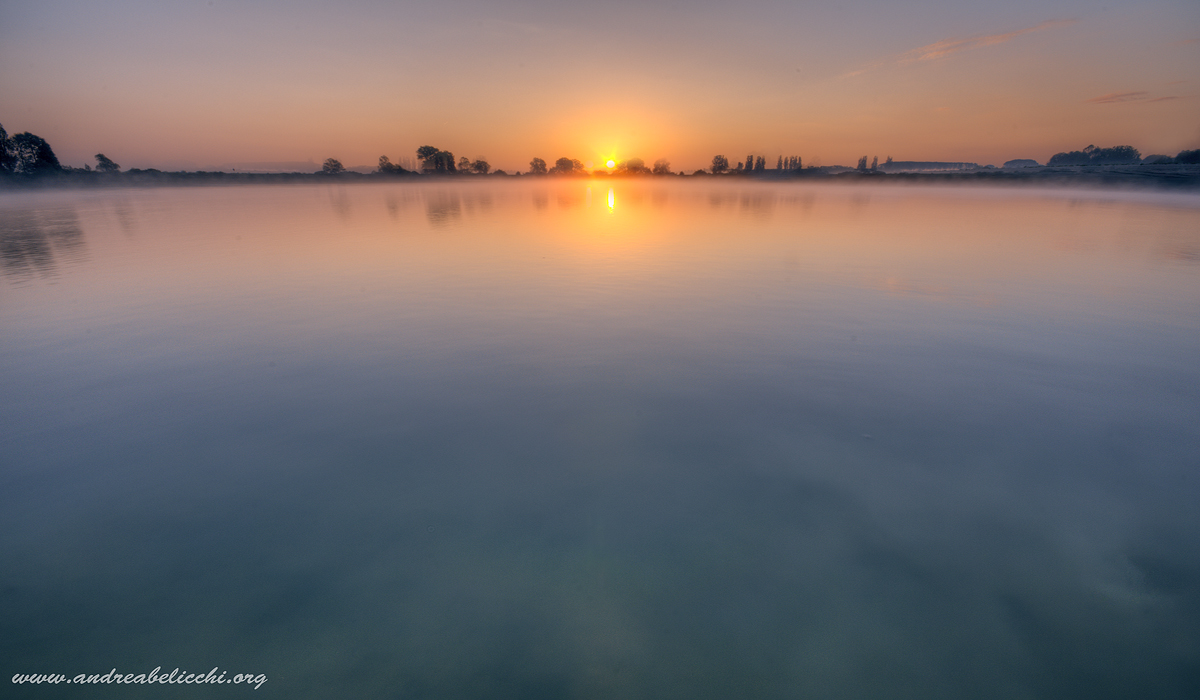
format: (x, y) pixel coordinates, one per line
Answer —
(610, 163)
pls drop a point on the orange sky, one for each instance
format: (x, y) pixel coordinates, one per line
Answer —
(218, 84)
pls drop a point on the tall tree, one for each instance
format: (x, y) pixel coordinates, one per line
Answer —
(7, 159)
(537, 166)
(567, 166)
(633, 166)
(32, 155)
(434, 160)
(333, 166)
(662, 166)
(720, 164)
(426, 154)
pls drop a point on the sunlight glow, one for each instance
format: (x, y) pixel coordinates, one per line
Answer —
(611, 163)
(612, 200)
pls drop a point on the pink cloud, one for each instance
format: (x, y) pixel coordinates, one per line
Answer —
(1113, 97)
(946, 47)
(1139, 96)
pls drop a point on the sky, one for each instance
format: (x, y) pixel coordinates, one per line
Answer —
(207, 84)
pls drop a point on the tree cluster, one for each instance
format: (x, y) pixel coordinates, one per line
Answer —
(387, 167)
(26, 154)
(567, 166)
(862, 164)
(1182, 158)
(1097, 156)
(435, 160)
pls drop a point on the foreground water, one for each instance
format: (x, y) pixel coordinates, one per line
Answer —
(561, 441)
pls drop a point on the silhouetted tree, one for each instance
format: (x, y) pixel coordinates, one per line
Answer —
(862, 163)
(105, 165)
(740, 165)
(31, 155)
(760, 163)
(332, 166)
(387, 166)
(567, 166)
(434, 160)
(662, 166)
(633, 166)
(720, 164)
(481, 166)
(537, 166)
(875, 163)
(779, 163)
(1188, 157)
(427, 152)
(749, 163)
(7, 159)
(464, 163)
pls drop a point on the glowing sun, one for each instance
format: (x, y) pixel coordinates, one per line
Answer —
(610, 163)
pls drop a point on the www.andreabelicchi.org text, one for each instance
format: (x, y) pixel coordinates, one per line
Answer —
(176, 676)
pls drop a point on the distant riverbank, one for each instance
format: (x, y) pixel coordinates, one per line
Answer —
(1139, 176)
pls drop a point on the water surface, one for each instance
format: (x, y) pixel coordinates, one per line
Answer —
(574, 440)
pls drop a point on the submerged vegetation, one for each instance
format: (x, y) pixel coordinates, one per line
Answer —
(26, 158)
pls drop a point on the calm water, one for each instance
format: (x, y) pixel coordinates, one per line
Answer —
(543, 441)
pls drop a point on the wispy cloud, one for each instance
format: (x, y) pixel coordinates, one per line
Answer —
(1118, 97)
(944, 48)
(1114, 97)
(947, 47)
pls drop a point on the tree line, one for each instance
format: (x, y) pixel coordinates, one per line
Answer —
(1121, 155)
(29, 155)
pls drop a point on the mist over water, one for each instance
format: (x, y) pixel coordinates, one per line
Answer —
(593, 440)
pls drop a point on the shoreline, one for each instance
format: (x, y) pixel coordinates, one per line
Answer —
(1146, 177)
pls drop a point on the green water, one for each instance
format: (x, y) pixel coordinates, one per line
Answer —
(537, 440)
